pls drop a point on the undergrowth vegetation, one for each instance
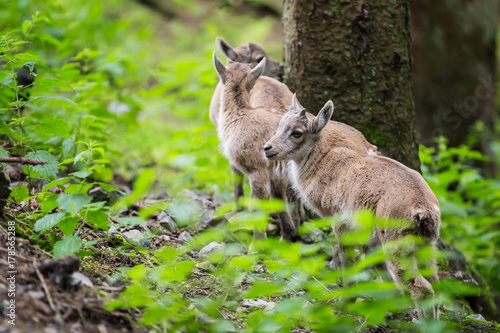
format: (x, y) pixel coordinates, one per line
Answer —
(103, 95)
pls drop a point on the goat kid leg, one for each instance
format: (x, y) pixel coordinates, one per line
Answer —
(297, 209)
(260, 185)
(338, 259)
(237, 183)
(418, 286)
(287, 225)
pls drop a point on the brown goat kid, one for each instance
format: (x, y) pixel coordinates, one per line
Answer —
(341, 181)
(251, 53)
(243, 130)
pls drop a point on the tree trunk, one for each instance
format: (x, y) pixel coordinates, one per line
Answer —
(454, 45)
(357, 55)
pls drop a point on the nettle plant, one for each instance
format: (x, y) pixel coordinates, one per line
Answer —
(48, 114)
(277, 286)
(469, 204)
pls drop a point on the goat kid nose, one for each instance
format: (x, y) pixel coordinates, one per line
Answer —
(268, 147)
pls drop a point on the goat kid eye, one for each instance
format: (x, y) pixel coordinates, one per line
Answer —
(296, 134)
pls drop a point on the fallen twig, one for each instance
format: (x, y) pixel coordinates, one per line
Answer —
(22, 160)
(44, 285)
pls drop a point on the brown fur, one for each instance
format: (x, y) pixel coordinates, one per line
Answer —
(243, 130)
(340, 180)
(275, 96)
(250, 53)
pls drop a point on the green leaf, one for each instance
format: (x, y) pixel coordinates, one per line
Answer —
(56, 182)
(80, 156)
(26, 57)
(68, 224)
(25, 27)
(52, 83)
(47, 38)
(68, 246)
(3, 152)
(66, 146)
(78, 188)
(30, 67)
(82, 174)
(48, 221)
(108, 187)
(97, 218)
(53, 127)
(19, 193)
(57, 98)
(43, 171)
(4, 129)
(49, 203)
(73, 202)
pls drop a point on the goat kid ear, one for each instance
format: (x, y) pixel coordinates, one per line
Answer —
(323, 117)
(256, 73)
(226, 49)
(220, 68)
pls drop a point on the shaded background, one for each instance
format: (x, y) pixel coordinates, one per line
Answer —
(141, 76)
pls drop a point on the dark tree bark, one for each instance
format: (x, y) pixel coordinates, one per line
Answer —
(358, 55)
(454, 45)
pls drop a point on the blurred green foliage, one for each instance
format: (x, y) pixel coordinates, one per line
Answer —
(120, 91)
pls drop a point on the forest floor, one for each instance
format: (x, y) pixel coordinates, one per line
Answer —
(69, 294)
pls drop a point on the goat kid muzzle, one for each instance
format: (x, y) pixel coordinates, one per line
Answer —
(268, 151)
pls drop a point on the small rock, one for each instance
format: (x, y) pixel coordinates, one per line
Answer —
(118, 108)
(143, 227)
(14, 171)
(78, 278)
(205, 203)
(112, 231)
(100, 194)
(206, 217)
(205, 266)
(185, 237)
(313, 236)
(36, 294)
(152, 224)
(210, 248)
(133, 236)
(164, 238)
(168, 223)
(476, 316)
(161, 216)
(145, 243)
(258, 303)
(240, 309)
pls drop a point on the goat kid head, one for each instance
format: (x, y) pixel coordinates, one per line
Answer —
(250, 53)
(297, 132)
(239, 74)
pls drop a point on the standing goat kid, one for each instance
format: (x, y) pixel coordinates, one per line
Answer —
(339, 180)
(243, 130)
(251, 53)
